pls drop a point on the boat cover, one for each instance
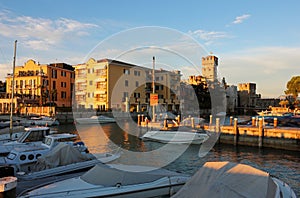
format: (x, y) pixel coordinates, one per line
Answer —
(108, 176)
(227, 179)
(62, 154)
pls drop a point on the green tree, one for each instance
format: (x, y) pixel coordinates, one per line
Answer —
(293, 86)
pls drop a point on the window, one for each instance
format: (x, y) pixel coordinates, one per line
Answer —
(137, 95)
(126, 83)
(91, 82)
(54, 73)
(126, 71)
(125, 94)
(161, 78)
(136, 83)
(137, 73)
(54, 85)
(63, 94)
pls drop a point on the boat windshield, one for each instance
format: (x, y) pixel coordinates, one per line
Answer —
(47, 141)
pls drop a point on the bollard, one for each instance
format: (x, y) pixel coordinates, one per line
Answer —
(193, 122)
(178, 119)
(275, 122)
(210, 120)
(217, 125)
(253, 121)
(260, 132)
(230, 120)
(139, 120)
(236, 132)
(142, 119)
(165, 123)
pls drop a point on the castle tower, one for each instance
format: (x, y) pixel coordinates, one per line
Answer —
(209, 67)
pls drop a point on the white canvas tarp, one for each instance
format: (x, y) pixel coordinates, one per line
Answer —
(62, 154)
(227, 179)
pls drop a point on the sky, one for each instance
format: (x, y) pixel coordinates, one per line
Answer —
(255, 41)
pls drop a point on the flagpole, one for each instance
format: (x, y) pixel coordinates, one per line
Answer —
(12, 91)
(153, 88)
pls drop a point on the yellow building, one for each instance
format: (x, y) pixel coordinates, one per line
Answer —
(42, 84)
(110, 84)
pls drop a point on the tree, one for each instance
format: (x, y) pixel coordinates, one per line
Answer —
(293, 86)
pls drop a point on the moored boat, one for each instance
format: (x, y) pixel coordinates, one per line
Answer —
(23, 158)
(101, 119)
(180, 135)
(113, 181)
(227, 179)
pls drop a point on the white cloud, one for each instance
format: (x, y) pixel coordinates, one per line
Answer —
(209, 37)
(241, 19)
(41, 33)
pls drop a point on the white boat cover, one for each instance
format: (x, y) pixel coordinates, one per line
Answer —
(62, 154)
(227, 179)
(108, 176)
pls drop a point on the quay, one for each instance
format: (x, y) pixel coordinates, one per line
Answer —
(256, 134)
(287, 138)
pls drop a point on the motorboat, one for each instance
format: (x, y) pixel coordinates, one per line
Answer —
(30, 134)
(114, 181)
(64, 159)
(181, 135)
(23, 158)
(39, 121)
(101, 119)
(228, 179)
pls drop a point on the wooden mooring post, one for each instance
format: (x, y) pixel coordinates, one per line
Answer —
(235, 132)
(260, 132)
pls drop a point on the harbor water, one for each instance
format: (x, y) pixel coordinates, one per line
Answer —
(282, 164)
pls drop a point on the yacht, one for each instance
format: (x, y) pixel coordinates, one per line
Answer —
(30, 134)
(23, 158)
(39, 121)
(95, 120)
(114, 181)
(181, 135)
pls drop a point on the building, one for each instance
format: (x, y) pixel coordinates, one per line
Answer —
(247, 95)
(42, 84)
(231, 98)
(210, 67)
(110, 84)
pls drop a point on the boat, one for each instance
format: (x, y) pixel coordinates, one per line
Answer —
(23, 158)
(114, 181)
(64, 159)
(228, 179)
(39, 121)
(101, 119)
(180, 135)
(30, 134)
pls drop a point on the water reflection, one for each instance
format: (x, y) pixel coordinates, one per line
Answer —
(107, 138)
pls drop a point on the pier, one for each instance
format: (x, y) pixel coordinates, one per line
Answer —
(257, 134)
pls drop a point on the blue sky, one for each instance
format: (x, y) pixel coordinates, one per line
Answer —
(256, 41)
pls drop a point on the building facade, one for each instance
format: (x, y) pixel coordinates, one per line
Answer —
(110, 84)
(42, 84)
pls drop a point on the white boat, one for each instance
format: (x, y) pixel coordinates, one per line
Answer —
(113, 181)
(95, 120)
(64, 159)
(227, 179)
(23, 158)
(39, 121)
(31, 134)
(180, 136)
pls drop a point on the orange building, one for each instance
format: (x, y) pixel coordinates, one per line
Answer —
(42, 84)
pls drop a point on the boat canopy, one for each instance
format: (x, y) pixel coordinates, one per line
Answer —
(62, 154)
(227, 179)
(107, 176)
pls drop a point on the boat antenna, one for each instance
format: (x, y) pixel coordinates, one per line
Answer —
(12, 91)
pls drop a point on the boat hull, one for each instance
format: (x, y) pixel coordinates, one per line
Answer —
(176, 137)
